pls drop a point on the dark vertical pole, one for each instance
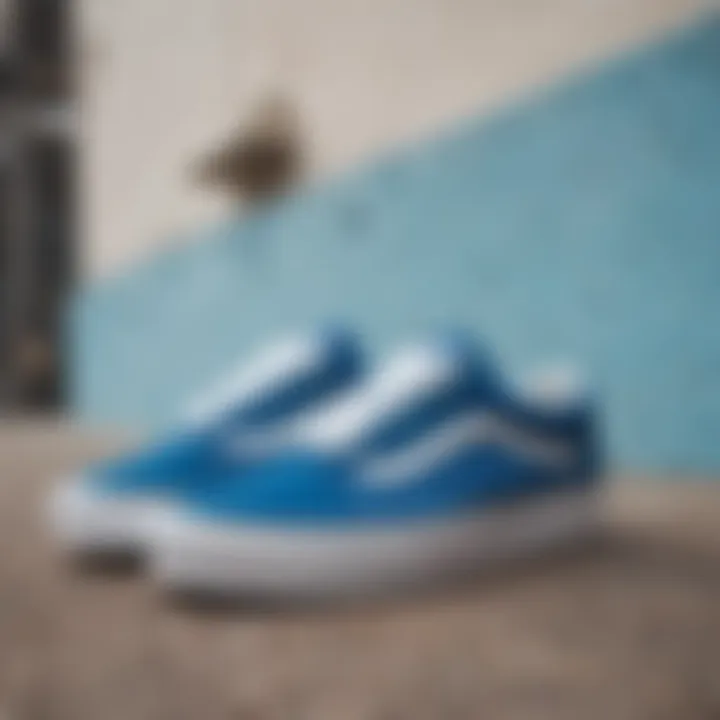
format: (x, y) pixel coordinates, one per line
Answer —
(39, 194)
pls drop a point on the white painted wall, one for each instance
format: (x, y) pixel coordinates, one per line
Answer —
(165, 79)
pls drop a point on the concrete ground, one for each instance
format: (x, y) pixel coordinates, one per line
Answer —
(629, 628)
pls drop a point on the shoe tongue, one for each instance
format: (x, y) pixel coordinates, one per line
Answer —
(255, 390)
(400, 394)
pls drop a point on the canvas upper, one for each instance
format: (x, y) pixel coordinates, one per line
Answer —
(436, 433)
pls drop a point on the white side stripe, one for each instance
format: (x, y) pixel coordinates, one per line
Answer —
(260, 444)
(477, 428)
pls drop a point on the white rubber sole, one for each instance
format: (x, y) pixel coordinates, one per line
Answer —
(188, 555)
(86, 522)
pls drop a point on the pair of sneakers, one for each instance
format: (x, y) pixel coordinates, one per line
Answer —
(306, 473)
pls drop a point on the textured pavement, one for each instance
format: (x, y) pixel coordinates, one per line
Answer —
(628, 628)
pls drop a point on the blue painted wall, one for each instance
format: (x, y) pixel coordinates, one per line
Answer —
(584, 223)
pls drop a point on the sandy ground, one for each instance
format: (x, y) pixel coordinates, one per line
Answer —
(628, 628)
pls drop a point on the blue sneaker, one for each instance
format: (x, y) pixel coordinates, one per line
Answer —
(430, 466)
(246, 419)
